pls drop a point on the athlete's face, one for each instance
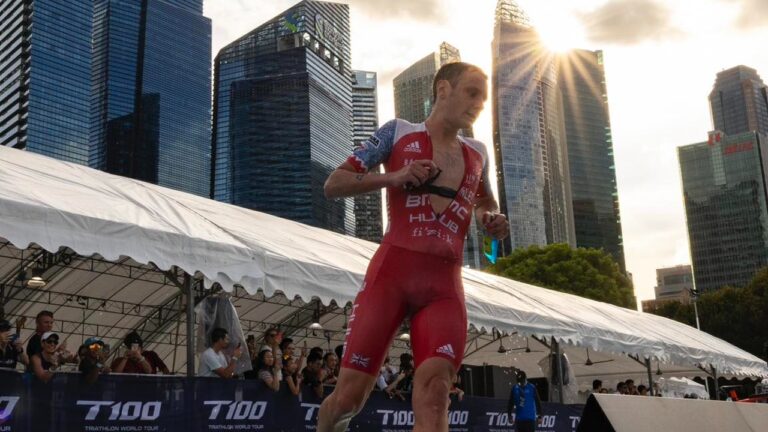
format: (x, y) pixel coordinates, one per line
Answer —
(465, 101)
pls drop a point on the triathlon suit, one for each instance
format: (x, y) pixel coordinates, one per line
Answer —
(416, 271)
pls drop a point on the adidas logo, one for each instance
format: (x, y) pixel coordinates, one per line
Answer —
(413, 147)
(447, 349)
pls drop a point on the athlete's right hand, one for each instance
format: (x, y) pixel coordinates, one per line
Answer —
(414, 174)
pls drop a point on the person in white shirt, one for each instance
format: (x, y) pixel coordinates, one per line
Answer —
(213, 362)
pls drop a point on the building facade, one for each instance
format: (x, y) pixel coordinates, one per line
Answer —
(724, 188)
(365, 121)
(672, 284)
(591, 163)
(150, 112)
(45, 77)
(529, 135)
(739, 102)
(282, 116)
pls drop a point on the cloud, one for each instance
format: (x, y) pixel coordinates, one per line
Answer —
(629, 22)
(421, 10)
(753, 14)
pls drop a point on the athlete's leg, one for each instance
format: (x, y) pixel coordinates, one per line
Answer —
(376, 315)
(348, 398)
(430, 395)
(438, 335)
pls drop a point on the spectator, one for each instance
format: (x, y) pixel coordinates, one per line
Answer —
(403, 383)
(387, 374)
(272, 339)
(597, 386)
(339, 350)
(289, 350)
(317, 351)
(331, 363)
(631, 389)
(250, 343)
(44, 324)
(45, 362)
(11, 348)
(312, 375)
(621, 388)
(524, 400)
(213, 362)
(291, 375)
(455, 389)
(136, 360)
(642, 390)
(93, 353)
(269, 370)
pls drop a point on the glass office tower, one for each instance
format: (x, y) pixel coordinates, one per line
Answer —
(591, 163)
(151, 104)
(724, 187)
(365, 121)
(282, 118)
(45, 76)
(739, 101)
(529, 135)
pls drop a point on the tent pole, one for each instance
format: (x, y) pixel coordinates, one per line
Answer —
(558, 368)
(190, 325)
(717, 386)
(650, 376)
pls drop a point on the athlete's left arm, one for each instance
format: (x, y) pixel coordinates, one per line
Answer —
(487, 209)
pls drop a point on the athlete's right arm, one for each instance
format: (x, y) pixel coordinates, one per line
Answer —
(346, 181)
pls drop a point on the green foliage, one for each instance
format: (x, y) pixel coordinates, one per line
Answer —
(589, 273)
(736, 315)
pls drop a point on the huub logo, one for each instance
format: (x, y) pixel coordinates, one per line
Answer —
(237, 410)
(7, 404)
(124, 411)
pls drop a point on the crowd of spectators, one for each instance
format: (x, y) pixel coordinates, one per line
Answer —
(623, 388)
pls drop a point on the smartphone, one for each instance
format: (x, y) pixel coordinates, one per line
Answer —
(14, 338)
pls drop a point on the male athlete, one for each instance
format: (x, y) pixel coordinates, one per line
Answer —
(434, 180)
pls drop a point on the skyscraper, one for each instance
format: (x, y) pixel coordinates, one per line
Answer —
(590, 152)
(739, 102)
(365, 121)
(413, 102)
(45, 76)
(529, 135)
(150, 115)
(282, 118)
(724, 187)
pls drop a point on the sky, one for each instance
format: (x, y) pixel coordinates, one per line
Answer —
(661, 59)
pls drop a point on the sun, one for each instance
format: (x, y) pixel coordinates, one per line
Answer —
(560, 33)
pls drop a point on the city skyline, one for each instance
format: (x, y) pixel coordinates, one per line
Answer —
(651, 49)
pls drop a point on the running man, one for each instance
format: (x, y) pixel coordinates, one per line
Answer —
(434, 180)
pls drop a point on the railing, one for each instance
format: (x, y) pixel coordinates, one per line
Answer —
(124, 402)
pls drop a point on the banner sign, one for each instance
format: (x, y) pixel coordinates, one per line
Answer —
(142, 403)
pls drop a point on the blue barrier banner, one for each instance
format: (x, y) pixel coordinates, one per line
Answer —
(131, 403)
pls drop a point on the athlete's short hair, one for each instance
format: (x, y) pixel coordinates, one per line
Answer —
(452, 72)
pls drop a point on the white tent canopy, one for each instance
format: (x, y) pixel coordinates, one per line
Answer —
(55, 204)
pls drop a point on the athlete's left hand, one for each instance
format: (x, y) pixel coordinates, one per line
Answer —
(496, 224)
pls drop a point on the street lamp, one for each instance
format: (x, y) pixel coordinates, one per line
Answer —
(695, 296)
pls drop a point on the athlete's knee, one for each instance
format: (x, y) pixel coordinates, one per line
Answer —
(348, 403)
(432, 393)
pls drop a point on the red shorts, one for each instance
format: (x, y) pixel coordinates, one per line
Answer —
(401, 283)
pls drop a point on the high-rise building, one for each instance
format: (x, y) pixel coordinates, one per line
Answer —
(151, 103)
(45, 76)
(590, 152)
(365, 121)
(672, 284)
(413, 102)
(282, 116)
(529, 135)
(724, 187)
(739, 102)
(413, 86)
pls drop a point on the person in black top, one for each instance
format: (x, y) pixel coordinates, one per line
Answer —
(11, 349)
(44, 323)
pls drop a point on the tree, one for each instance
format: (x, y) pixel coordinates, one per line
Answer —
(736, 315)
(589, 273)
